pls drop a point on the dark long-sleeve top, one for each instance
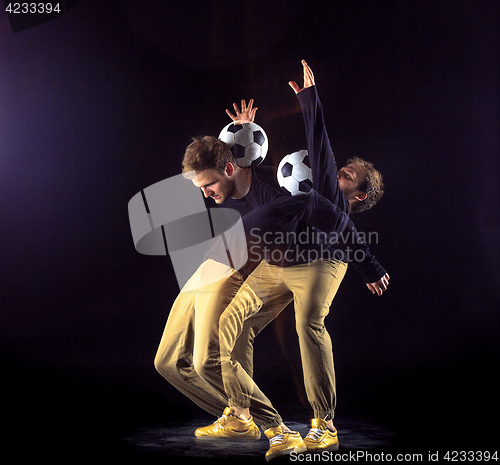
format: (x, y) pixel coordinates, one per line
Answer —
(321, 157)
(276, 224)
(325, 181)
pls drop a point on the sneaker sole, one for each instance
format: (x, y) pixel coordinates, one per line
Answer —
(281, 453)
(320, 449)
(231, 438)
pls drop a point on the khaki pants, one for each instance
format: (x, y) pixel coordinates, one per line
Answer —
(312, 287)
(206, 350)
(189, 355)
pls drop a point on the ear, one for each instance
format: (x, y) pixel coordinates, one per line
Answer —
(360, 196)
(229, 169)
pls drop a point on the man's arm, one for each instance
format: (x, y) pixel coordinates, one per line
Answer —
(323, 165)
(355, 251)
(325, 179)
(373, 274)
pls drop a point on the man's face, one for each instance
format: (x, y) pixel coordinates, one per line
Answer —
(350, 177)
(219, 186)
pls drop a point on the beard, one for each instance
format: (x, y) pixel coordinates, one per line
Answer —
(226, 193)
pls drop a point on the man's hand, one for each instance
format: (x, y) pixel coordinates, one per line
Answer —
(246, 115)
(380, 286)
(308, 78)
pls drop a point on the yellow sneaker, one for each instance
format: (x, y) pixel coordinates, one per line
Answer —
(221, 430)
(282, 443)
(320, 437)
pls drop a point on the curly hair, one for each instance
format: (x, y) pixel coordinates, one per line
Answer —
(372, 185)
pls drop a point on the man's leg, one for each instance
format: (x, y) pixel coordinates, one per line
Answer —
(258, 302)
(213, 356)
(314, 289)
(174, 359)
(314, 286)
(266, 282)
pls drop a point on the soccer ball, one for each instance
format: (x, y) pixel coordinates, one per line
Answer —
(294, 173)
(247, 141)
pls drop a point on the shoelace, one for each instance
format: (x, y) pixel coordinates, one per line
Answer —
(219, 425)
(314, 434)
(278, 439)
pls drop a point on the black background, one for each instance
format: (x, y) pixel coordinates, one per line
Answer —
(101, 102)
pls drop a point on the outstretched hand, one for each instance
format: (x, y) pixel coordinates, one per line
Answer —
(380, 286)
(246, 115)
(308, 79)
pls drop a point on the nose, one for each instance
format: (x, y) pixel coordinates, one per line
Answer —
(206, 192)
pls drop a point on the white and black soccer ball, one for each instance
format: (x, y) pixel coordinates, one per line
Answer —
(247, 141)
(294, 173)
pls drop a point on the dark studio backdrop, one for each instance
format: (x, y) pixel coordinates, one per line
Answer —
(101, 102)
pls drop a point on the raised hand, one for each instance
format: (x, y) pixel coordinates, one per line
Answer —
(308, 78)
(246, 115)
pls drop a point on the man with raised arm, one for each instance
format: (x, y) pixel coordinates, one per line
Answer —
(217, 362)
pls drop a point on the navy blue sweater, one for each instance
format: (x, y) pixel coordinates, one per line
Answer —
(288, 231)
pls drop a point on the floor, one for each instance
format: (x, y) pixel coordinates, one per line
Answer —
(177, 440)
